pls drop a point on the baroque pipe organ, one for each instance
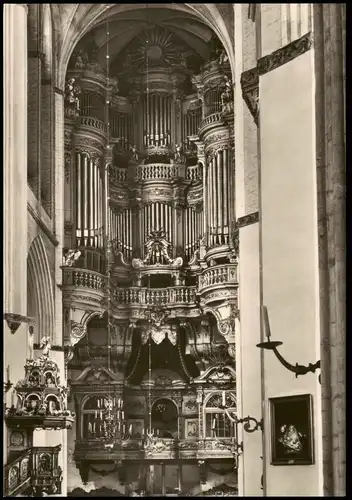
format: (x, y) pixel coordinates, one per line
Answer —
(149, 205)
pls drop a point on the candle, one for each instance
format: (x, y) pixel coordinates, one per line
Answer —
(8, 373)
(223, 399)
(12, 398)
(266, 322)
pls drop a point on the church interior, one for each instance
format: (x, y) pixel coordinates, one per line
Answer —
(174, 250)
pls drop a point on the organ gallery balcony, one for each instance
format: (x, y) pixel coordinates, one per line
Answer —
(173, 296)
(161, 448)
(211, 121)
(217, 282)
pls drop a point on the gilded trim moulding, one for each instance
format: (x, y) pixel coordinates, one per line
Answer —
(285, 54)
(247, 220)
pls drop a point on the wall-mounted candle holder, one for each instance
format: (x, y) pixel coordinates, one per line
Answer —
(272, 345)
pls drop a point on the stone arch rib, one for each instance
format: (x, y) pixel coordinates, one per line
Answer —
(40, 289)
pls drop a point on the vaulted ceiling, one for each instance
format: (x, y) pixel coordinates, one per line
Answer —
(191, 23)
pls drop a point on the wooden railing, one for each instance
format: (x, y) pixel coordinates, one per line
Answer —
(17, 474)
(36, 468)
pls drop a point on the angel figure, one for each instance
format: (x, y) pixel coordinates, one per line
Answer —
(178, 153)
(223, 58)
(226, 94)
(71, 257)
(45, 344)
(72, 91)
(81, 60)
(135, 155)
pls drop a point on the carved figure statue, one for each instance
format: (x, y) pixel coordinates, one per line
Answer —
(45, 344)
(81, 60)
(135, 154)
(178, 153)
(227, 95)
(72, 91)
(223, 58)
(71, 257)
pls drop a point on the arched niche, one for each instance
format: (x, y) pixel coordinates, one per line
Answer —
(165, 418)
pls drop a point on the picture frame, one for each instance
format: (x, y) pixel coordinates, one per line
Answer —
(191, 428)
(292, 430)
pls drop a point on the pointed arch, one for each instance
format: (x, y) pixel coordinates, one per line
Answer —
(40, 296)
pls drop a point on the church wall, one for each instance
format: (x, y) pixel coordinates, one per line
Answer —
(289, 251)
(248, 359)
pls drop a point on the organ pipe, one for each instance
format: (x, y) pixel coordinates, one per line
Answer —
(226, 194)
(220, 191)
(79, 198)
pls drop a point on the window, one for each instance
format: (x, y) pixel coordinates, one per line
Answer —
(217, 423)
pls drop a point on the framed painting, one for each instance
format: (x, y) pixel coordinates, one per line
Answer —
(191, 428)
(292, 430)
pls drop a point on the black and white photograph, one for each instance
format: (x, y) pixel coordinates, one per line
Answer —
(174, 250)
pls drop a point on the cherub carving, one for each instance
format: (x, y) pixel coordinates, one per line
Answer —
(45, 344)
(178, 153)
(135, 154)
(71, 257)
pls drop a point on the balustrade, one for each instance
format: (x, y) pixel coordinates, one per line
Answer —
(83, 278)
(209, 120)
(194, 173)
(218, 275)
(90, 121)
(157, 171)
(155, 296)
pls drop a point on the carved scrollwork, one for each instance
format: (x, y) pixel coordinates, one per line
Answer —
(285, 54)
(78, 331)
(227, 325)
